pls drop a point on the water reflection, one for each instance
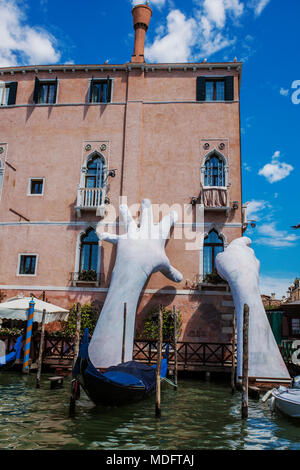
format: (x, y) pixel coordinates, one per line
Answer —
(200, 415)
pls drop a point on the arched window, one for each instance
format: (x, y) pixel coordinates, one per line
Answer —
(213, 244)
(214, 171)
(94, 174)
(89, 251)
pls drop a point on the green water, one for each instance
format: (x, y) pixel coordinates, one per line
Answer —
(200, 415)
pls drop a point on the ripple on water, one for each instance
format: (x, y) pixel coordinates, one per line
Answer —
(200, 415)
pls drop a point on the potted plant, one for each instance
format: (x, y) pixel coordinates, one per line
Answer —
(213, 278)
(87, 275)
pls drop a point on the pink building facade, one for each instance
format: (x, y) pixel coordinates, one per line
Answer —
(74, 139)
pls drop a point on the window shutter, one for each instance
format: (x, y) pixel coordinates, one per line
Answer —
(12, 93)
(229, 95)
(91, 90)
(200, 89)
(55, 91)
(109, 82)
(36, 91)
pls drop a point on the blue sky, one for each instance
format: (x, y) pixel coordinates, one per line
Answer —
(264, 34)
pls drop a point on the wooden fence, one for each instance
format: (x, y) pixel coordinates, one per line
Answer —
(190, 355)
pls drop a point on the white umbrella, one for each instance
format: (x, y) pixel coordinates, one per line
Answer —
(17, 308)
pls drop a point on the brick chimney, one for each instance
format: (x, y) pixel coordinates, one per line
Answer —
(141, 19)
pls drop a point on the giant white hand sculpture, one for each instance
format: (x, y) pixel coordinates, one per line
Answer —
(140, 252)
(238, 265)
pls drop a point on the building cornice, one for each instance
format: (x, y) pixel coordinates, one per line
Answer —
(144, 67)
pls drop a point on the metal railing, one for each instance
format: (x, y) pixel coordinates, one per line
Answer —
(85, 277)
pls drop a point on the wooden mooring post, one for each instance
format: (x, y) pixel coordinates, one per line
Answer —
(233, 368)
(124, 332)
(77, 333)
(175, 347)
(40, 358)
(75, 383)
(158, 365)
(245, 362)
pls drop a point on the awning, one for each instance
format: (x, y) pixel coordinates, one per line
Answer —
(17, 308)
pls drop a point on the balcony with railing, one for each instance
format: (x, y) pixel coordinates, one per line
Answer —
(215, 198)
(91, 199)
(88, 278)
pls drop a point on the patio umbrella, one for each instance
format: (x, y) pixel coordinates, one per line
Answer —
(17, 309)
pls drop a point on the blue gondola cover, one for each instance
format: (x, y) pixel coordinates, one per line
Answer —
(128, 373)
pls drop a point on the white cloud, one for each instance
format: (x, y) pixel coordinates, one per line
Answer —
(203, 34)
(21, 43)
(176, 45)
(246, 166)
(185, 39)
(259, 6)
(270, 284)
(255, 209)
(283, 91)
(271, 236)
(216, 10)
(276, 170)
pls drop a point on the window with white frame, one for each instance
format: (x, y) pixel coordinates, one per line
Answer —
(27, 264)
(35, 187)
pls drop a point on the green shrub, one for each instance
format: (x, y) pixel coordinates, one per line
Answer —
(89, 316)
(150, 331)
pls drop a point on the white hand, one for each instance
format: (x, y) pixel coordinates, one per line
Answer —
(239, 266)
(140, 252)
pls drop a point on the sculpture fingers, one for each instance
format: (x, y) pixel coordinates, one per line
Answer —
(172, 273)
(166, 223)
(146, 219)
(126, 217)
(108, 237)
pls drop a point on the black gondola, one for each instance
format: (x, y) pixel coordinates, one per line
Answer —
(9, 359)
(119, 385)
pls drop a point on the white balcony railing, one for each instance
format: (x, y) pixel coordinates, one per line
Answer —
(91, 199)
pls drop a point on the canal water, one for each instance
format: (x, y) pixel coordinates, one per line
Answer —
(200, 415)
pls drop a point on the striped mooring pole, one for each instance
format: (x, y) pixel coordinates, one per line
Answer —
(28, 337)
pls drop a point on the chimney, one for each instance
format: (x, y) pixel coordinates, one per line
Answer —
(141, 19)
(272, 296)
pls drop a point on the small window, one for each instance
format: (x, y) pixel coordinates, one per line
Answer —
(215, 88)
(296, 326)
(36, 186)
(8, 92)
(45, 91)
(100, 90)
(27, 265)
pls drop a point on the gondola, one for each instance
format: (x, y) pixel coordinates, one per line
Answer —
(9, 359)
(125, 383)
